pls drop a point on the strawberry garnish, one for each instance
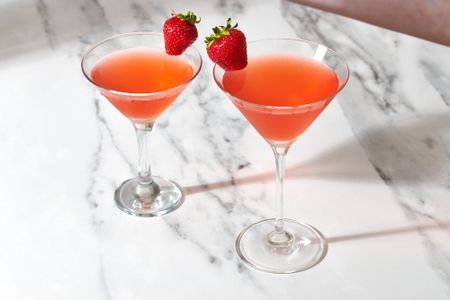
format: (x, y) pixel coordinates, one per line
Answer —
(227, 47)
(180, 32)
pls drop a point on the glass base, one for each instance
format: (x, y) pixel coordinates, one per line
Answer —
(165, 197)
(304, 248)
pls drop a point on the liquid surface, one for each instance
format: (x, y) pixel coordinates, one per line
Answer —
(141, 70)
(284, 83)
(281, 80)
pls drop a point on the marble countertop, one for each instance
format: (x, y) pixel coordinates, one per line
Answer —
(372, 173)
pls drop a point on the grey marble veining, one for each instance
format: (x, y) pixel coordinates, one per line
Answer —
(372, 173)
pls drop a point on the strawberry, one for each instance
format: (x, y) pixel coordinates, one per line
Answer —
(180, 32)
(227, 47)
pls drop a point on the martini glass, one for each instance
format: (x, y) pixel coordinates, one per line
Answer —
(135, 74)
(286, 85)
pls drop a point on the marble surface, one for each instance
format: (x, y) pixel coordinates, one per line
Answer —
(372, 173)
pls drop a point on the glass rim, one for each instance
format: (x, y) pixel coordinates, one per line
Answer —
(314, 103)
(121, 93)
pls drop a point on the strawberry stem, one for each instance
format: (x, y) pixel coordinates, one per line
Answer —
(219, 32)
(188, 17)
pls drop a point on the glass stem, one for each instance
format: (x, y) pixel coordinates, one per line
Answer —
(145, 187)
(280, 155)
(279, 239)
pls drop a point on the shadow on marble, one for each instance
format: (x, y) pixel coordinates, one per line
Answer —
(410, 153)
(387, 232)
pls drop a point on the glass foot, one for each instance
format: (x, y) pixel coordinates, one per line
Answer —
(302, 247)
(164, 197)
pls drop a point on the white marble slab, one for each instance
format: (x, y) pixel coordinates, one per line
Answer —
(372, 173)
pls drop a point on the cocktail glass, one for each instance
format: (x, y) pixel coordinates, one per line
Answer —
(145, 195)
(281, 245)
